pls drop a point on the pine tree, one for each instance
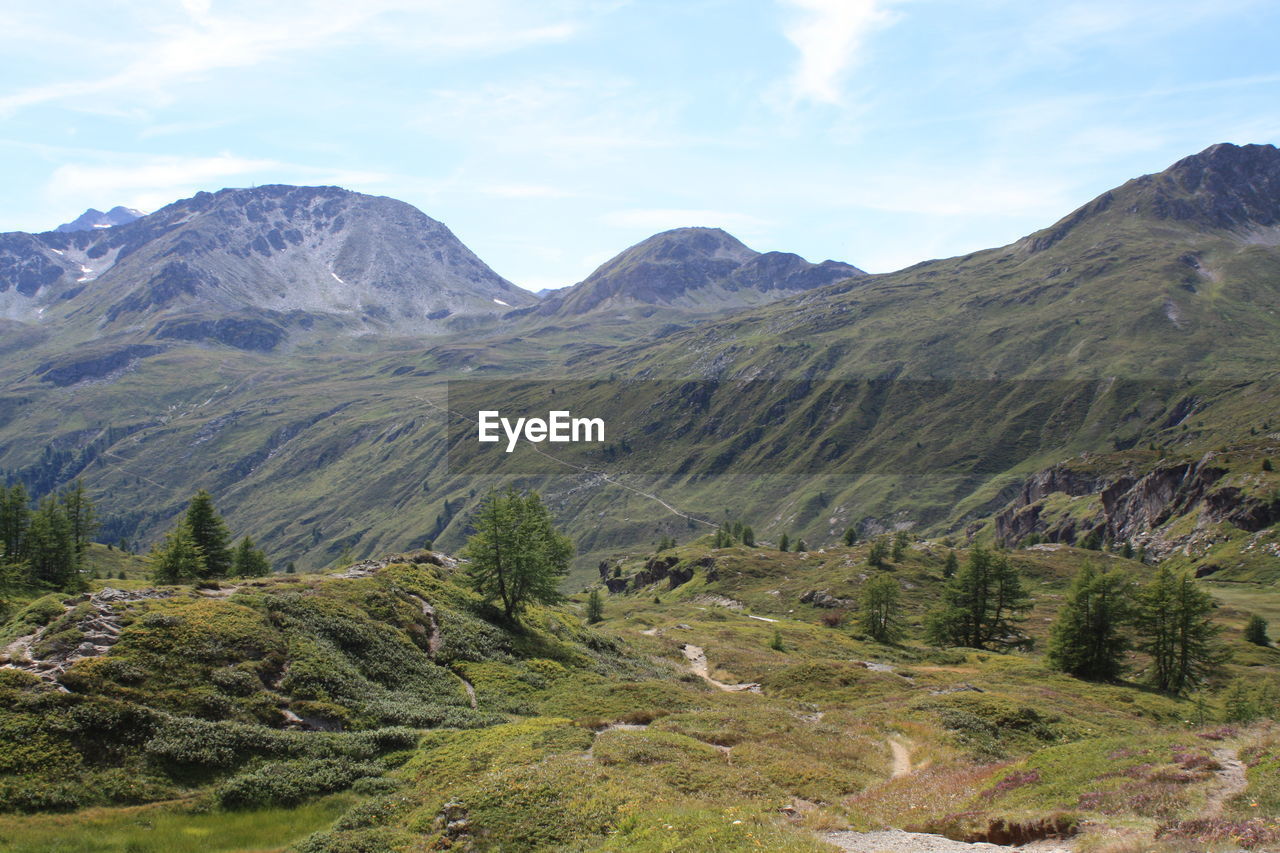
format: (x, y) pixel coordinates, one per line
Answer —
(248, 561)
(15, 519)
(776, 643)
(950, 566)
(1127, 550)
(784, 543)
(178, 559)
(80, 514)
(878, 609)
(290, 568)
(877, 554)
(1256, 631)
(850, 536)
(516, 556)
(595, 607)
(980, 605)
(209, 533)
(51, 552)
(1088, 638)
(748, 536)
(801, 547)
(1172, 620)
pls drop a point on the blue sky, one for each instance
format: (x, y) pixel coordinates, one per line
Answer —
(551, 134)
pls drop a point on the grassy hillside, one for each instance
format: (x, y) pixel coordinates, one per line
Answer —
(385, 708)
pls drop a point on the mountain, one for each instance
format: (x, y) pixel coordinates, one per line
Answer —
(694, 270)
(93, 218)
(1142, 324)
(250, 267)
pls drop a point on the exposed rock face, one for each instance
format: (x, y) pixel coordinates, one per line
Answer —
(1134, 506)
(821, 598)
(1233, 187)
(364, 262)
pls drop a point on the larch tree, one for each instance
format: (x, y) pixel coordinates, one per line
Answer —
(516, 556)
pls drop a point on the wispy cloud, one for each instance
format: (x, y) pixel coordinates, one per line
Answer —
(829, 35)
(206, 41)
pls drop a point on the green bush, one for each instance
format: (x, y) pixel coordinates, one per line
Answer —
(288, 783)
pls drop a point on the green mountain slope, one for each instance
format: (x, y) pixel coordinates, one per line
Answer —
(926, 397)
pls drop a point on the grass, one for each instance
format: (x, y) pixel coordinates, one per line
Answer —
(164, 828)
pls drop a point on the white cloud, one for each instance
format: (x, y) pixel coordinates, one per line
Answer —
(829, 35)
(208, 41)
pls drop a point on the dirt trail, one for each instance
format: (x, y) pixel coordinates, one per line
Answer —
(901, 758)
(897, 841)
(1231, 780)
(698, 666)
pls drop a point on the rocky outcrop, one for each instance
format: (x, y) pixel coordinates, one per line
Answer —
(77, 367)
(246, 333)
(821, 598)
(1133, 506)
(99, 629)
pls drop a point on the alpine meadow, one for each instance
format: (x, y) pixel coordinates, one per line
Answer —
(318, 534)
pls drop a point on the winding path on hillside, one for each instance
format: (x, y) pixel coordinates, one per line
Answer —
(697, 658)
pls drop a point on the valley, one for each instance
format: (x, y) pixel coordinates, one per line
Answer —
(794, 450)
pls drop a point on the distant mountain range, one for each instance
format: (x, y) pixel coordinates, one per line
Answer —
(92, 219)
(288, 348)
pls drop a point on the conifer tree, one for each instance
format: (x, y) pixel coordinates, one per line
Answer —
(950, 566)
(877, 554)
(748, 536)
(249, 561)
(1088, 639)
(878, 609)
(1255, 631)
(1172, 619)
(801, 547)
(595, 607)
(290, 568)
(784, 543)
(980, 605)
(209, 532)
(80, 514)
(516, 556)
(177, 559)
(51, 552)
(15, 518)
(850, 536)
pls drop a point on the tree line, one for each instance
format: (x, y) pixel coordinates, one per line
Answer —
(44, 544)
(1106, 615)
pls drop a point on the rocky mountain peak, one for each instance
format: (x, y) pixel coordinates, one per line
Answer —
(1224, 186)
(694, 269)
(93, 218)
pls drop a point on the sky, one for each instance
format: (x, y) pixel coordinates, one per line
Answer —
(551, 134)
